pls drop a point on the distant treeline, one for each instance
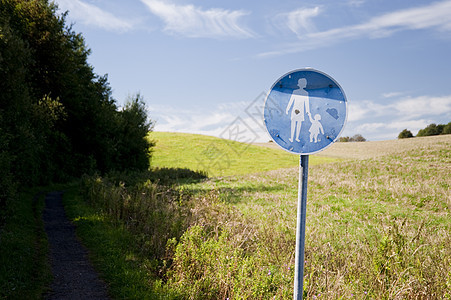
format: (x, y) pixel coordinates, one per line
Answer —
(354, 138)
(57, 117)
(431, 129)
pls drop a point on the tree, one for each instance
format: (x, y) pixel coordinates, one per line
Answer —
(344, 139)
(133, 146)
(405, 134)
(58, 118)
(447, 129)
(357, 138)
(24, 145)
(354, 138)
(431, 129)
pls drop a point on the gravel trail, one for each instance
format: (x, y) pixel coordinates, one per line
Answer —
(74, 276)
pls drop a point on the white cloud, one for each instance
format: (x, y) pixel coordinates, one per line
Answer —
(384, 121)
(392, 94)
(92, 15)
(298, 21)
(407, 108)
(188, 120)
(436, 15)
(373, 120)
(423, 105)
(224, 120)
(366, 108)
(389, 129)
(395, 126)
(357, 110)
(191, 21)
(433, 16)
(356, 3)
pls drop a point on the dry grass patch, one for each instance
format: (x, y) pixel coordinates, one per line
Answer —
(364, 150)
(377, 228)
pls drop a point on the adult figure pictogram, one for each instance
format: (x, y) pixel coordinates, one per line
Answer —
(299, 105)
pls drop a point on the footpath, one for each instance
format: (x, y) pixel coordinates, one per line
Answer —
(74, 276)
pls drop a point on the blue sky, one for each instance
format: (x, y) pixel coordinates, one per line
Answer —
(205, 66)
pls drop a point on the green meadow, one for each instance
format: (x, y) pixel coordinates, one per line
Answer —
(377, 228)
(219, 157)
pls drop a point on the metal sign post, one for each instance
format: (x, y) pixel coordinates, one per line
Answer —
(304, 113)
(300, 228)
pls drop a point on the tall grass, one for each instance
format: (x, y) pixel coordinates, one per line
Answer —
(24, 269)
(376, 229)
(153, 213)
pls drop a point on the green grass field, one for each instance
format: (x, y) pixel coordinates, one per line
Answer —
(219, 157)
(378, 226)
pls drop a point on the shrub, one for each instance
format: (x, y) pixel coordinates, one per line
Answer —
(447, 129)
(405, 134)
(225, 255)
(357, 138)
(152, 212)
(354, 138)
(431, 129)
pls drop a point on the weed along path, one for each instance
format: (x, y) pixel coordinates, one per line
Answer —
(74, 276)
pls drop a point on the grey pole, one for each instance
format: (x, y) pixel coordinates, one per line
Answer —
(300, 228)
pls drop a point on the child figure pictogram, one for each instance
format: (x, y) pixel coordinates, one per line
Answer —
(316, 127)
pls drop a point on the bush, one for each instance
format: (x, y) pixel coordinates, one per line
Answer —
(152, 212)
(201, 246)
(433, 129)
(354, 138)
(227, 255)
(447, 129)
(405, 134)
(8, 188)
(357, 138)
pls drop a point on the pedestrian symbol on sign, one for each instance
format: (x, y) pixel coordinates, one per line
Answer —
(316, 127)
(314, 111)
(300, 102)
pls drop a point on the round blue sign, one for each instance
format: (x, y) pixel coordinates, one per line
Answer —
(305, 111)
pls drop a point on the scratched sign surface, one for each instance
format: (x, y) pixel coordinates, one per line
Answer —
(305, 111)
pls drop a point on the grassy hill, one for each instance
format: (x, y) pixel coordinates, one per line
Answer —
(220, 157)
(375, 149)
(378, 224)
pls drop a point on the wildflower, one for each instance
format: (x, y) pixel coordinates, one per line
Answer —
(365, 292)
(269, 273)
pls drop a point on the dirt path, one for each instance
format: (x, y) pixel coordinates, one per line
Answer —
(74, 276)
